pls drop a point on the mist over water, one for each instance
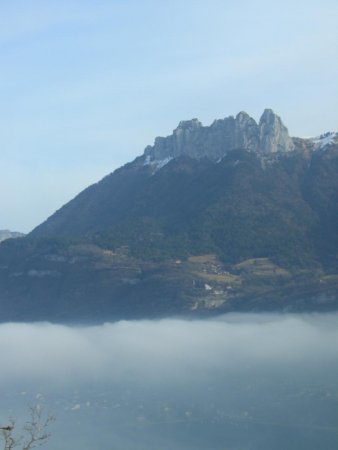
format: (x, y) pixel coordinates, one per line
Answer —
(236, 382)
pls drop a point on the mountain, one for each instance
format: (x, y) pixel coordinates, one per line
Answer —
(235, 216)
(6, 234)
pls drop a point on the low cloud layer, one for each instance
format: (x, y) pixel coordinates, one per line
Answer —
(156, 351)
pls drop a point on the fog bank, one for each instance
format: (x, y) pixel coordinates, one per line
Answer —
(248, 382)
(155, 350)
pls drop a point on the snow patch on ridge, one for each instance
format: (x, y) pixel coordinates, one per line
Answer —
(161, 163)
(325, 139)
(157, 164)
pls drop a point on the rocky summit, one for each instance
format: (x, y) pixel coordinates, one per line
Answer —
(235, 216)
(192, 139)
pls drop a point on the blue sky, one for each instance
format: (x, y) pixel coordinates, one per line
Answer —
(86, 85)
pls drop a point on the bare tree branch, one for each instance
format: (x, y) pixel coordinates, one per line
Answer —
(35, 430)
(7, 435)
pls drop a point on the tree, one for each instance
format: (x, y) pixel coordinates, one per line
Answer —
(35, 431)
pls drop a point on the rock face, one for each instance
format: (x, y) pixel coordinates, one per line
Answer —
(6, 234)
(192, 139)
(273, 135)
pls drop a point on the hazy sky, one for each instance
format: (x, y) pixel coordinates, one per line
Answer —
(85, 85)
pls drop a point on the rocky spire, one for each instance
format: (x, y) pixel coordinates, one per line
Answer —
(246, 132)
(273, 134)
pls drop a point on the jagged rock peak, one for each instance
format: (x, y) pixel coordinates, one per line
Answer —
(243, 116)
(193, 139)
(273, 134)
(246, 132)
(192, 124)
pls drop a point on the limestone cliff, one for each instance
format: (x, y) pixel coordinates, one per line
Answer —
(193, 139)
